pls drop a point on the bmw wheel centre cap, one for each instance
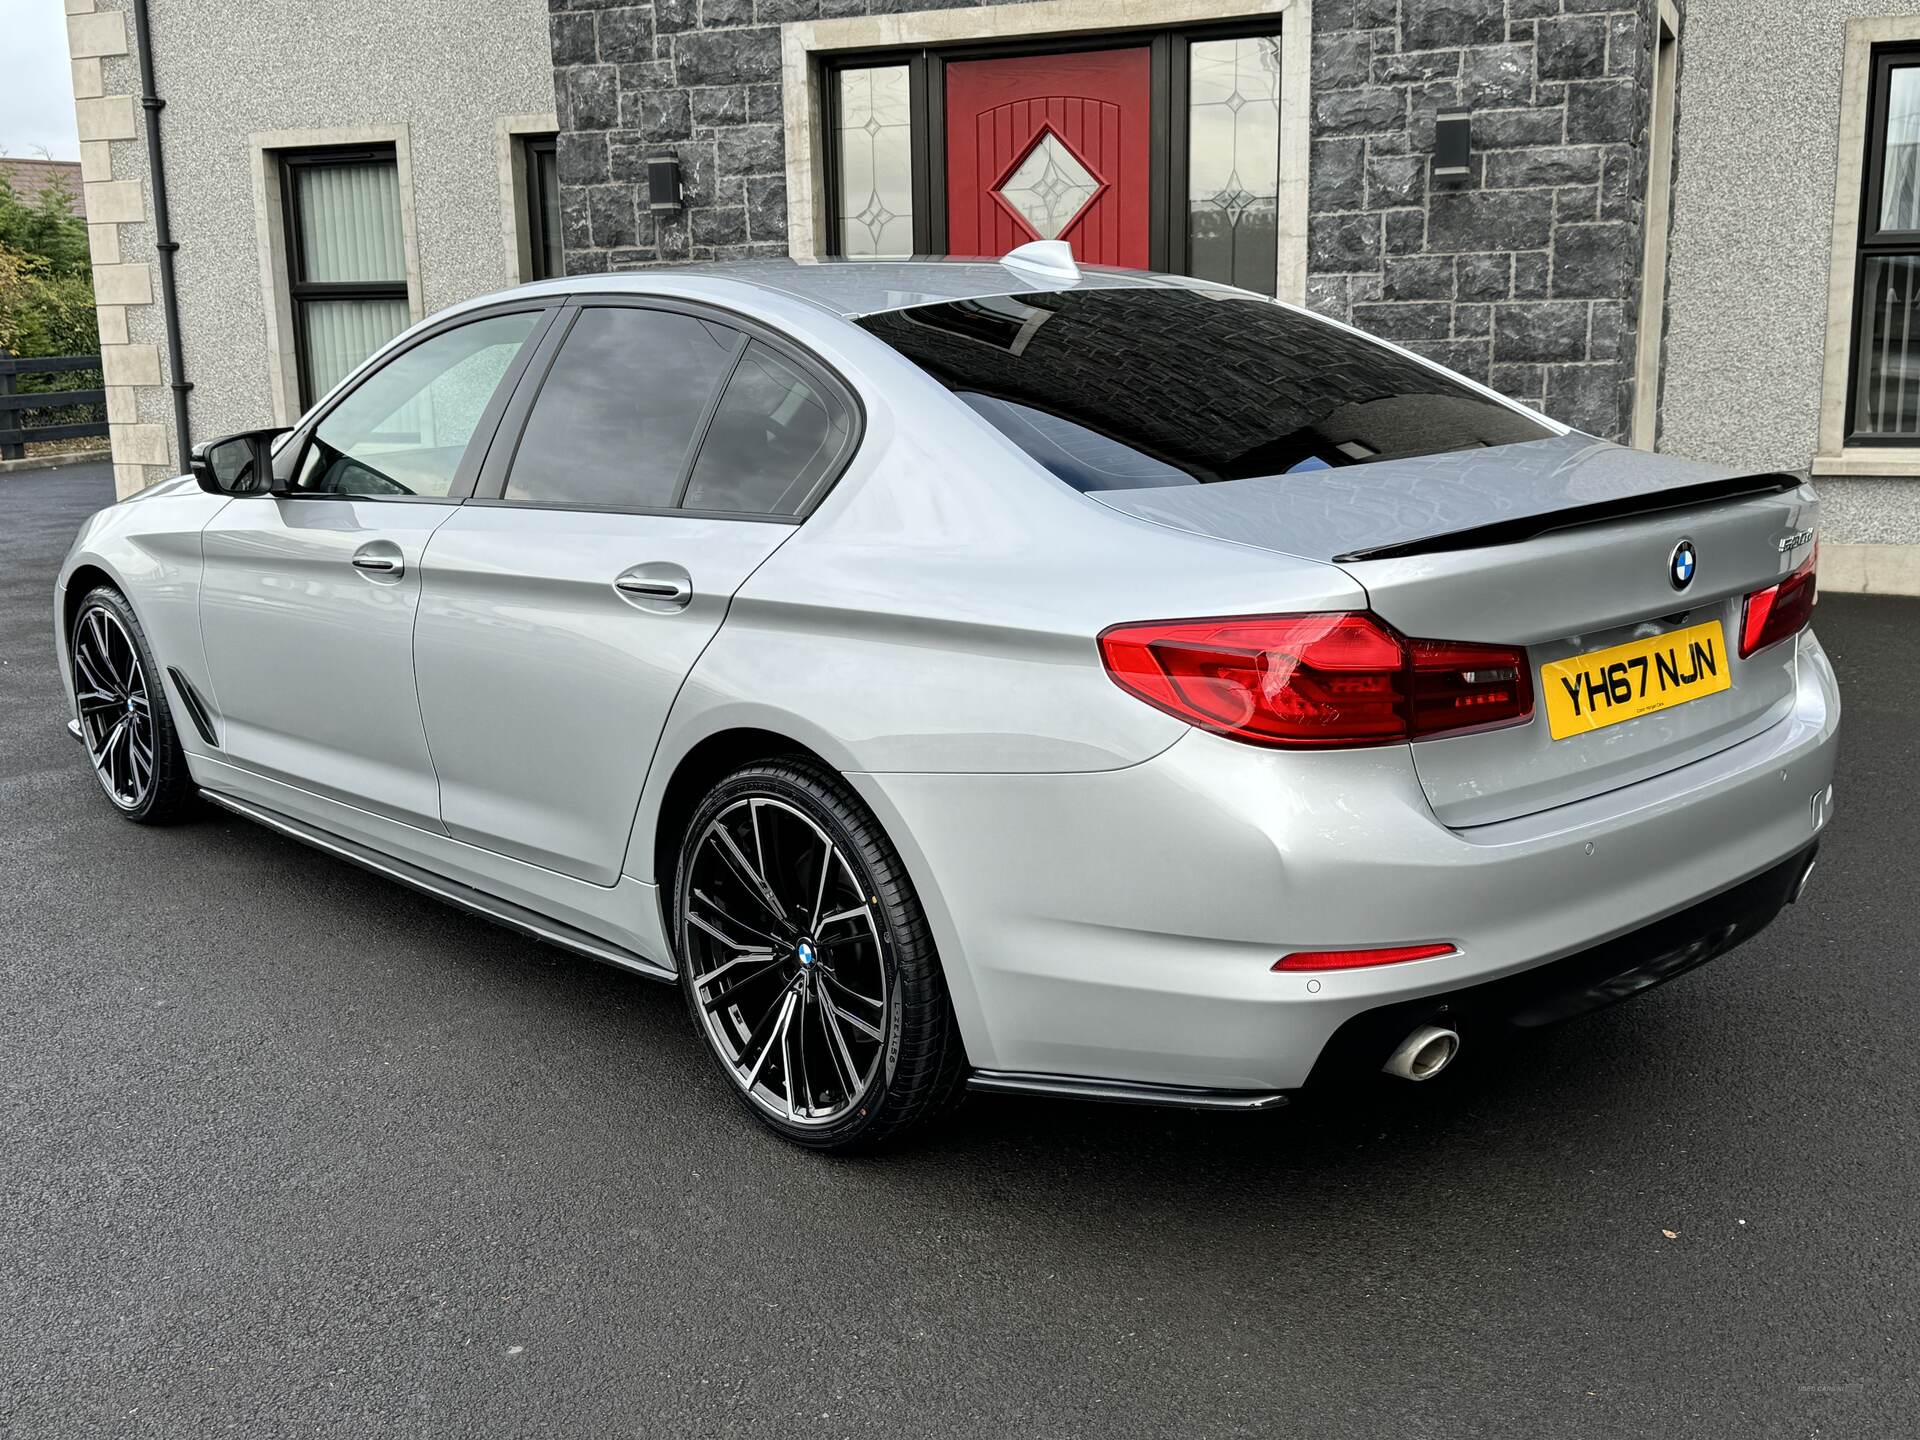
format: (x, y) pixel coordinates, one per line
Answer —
(1681, 567)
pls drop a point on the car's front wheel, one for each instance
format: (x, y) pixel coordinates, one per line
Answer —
(806, 960)
(122, 712)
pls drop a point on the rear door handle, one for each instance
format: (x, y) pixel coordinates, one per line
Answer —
(656, 585)
(380, 557)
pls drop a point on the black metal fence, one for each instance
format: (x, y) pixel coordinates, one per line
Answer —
(60, 414)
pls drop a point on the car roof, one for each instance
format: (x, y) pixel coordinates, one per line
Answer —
(852, 288)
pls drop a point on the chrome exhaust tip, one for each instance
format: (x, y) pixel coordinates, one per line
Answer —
(1800, 885)
(1424, 1053)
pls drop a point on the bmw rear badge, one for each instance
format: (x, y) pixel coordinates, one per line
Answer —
(1680, 567)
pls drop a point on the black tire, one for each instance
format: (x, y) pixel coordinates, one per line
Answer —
(917, 1061)
(159, 791)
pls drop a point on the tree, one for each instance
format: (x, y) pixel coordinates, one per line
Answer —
(46, 293)
(47, 227)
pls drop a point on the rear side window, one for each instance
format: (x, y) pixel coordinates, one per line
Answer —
(617, 417)
(773, 441)
(1129, 389)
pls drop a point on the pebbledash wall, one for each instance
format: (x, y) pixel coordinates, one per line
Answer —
(238, 89)
(1518, 274)
(1766, 214)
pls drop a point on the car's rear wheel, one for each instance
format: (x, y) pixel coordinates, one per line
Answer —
(806, 961)
(122, 710)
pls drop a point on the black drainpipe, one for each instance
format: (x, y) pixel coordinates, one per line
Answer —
(163, 240)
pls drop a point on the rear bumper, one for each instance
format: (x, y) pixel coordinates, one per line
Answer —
(1576, 984)
(1123, 924)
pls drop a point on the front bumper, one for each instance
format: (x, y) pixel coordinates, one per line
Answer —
(1123, 924)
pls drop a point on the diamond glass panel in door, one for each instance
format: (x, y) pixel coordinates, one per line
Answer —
(1233, 161)
(875, 138)
(1049, 187)
(1900, 187)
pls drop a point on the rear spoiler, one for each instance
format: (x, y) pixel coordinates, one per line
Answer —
(1526, 527)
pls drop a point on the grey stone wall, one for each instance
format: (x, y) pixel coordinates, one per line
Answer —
(1521, 273)
(1518, 274)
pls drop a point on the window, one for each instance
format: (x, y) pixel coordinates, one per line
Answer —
(1233, 161)
(543, 207)
(873, 136)
(615, 422)
(404, 429)
(1886, 364)
(347, 257)
(772, 443)
(1130, 389)
(1181, 145)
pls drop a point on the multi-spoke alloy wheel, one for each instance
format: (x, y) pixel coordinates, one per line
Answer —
(806, 961)
(122, 712)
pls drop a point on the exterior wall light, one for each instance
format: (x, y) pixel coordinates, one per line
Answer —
(1452, 143)
(663, 183)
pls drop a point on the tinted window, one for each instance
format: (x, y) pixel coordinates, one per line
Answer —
(1134, 388)
(620, 410)
(403, 429)
(772, 443)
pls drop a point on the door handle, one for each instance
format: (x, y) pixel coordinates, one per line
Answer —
(677, 590)
(657, 585)
(380, 558)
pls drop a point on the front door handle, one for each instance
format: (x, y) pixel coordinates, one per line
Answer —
(380, 557)
(656, 586)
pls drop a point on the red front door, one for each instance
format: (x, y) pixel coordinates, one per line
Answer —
(1050, 147)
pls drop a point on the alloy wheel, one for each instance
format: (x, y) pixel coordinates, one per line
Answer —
(788, 961)
(116, 707)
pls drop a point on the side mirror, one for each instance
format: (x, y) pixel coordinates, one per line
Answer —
(235, 464)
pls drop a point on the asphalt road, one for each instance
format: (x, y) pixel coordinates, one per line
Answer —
(286, 1149)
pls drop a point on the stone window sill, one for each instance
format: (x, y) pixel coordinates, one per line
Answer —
(1867, 461)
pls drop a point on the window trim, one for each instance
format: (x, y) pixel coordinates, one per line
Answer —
(1872, 242)
(513, 138)
(291, 456)
(490, 484)
(812, 48)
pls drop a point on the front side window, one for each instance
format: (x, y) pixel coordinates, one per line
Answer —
(405, 428)
(1886, 363)
(1130, 389)
(348, 261)
(614, 425)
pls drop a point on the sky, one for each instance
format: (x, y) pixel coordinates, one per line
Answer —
(36, 84)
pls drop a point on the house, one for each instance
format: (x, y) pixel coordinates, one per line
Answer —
(1682, 226)
(29, 178)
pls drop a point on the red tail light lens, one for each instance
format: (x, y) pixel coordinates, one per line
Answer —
(1781, 610)
(1317, 680)
(1357, 959)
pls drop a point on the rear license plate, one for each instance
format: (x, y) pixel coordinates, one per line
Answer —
(1606, 687)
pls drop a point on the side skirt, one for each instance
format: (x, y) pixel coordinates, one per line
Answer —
(501, 912)
(1123, 1092)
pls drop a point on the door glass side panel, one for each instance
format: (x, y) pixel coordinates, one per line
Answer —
(620, 409)
(772, 442)
(875, 136)
(1900, 182)
(404, 429)
(1233, 161)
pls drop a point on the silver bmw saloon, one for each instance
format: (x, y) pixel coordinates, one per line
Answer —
(988, 674)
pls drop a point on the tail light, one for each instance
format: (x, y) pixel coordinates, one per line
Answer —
(1781, 610)
(1317, 680)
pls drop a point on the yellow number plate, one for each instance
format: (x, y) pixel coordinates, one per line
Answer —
(1606, 687)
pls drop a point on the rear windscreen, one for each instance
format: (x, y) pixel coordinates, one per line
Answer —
(1127, 389)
